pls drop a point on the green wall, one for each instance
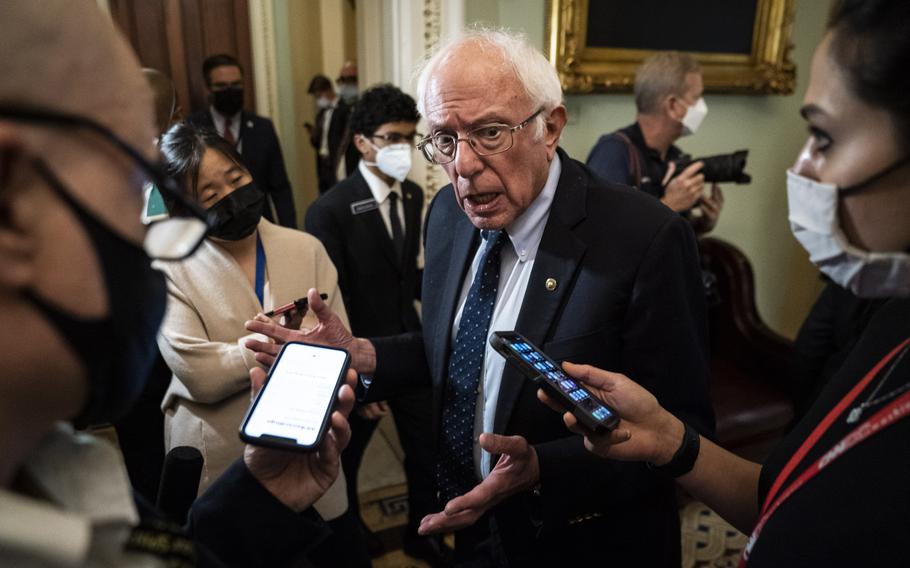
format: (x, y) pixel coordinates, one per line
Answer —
(754, 216)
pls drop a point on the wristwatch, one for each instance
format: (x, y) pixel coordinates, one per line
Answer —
(683, 460)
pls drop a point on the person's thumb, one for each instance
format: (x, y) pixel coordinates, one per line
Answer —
(506, 445)
(318, 305)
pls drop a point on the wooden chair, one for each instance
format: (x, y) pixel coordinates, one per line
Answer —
(750, 363)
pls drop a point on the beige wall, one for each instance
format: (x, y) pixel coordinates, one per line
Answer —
(311, 37)
(754, 217)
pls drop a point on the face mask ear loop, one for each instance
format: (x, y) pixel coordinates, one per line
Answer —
(857, 187)
(374, 146)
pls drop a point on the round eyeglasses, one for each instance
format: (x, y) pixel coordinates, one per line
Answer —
(487, 140)
(169, 239)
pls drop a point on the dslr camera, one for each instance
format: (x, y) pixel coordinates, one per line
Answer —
(721, 168)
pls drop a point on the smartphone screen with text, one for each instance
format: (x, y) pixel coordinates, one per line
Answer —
(293, 408)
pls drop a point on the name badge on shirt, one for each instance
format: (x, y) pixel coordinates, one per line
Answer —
(363, 206)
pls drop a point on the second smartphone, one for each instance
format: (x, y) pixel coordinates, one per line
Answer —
(548, 375)
(293, 408)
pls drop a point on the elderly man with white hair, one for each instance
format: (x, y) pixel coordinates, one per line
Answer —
(526, 238)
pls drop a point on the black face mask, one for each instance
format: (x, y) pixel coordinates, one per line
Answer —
(228, 101)
(117, 350)
(238, 214)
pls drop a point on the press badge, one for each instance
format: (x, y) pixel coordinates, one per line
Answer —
(363, 206)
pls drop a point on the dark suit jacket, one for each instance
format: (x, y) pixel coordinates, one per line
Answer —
(339, 137)
(379, 289)
(629, 298)
(261, 154)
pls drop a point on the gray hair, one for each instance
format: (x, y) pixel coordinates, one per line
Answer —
(536, 75)
(661, 75)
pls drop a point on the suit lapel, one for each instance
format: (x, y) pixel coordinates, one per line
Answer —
(558, 257)
(284, 287)
(412, 210)
(245, 128)
(374, 223)
(464, 243)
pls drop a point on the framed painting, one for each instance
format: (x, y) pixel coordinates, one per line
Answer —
(743, 46)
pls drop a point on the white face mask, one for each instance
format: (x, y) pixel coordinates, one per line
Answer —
(695, 114)
(323, 102)
(814, 222)
(393, 160)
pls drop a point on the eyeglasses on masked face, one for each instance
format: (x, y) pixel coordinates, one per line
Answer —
(170, 239)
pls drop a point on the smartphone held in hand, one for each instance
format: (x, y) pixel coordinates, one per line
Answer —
(548, 375)
(293, 409)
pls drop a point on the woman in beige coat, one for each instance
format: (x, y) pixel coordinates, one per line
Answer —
(246, 266)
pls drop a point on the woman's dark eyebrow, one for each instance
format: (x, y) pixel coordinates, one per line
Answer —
(810, 110)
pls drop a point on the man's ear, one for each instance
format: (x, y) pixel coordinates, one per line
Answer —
(554, 125)
(17, 239)
(360, 142)
(674, 107)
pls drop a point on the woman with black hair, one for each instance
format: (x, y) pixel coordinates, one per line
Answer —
(246, 266)
(836, 491)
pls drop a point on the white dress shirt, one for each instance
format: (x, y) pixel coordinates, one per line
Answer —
(219, 120)
(326, 123)
(381, 192)
(516, 265)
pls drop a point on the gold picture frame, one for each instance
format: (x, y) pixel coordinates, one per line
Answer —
(585, 69)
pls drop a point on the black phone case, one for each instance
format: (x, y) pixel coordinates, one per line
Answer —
(278, 442)
(582, 410)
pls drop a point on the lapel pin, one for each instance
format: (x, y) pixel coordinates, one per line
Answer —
(249, 124)
(550, 284)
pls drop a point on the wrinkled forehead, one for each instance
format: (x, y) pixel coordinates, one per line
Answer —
(471, 85)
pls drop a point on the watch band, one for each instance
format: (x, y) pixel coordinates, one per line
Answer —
(683, 460)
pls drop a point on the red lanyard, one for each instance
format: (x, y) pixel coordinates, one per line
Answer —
(896, 410)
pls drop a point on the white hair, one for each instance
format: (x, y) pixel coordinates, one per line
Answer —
(536, 75)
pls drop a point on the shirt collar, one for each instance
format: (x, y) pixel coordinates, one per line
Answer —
(378, 188)
(526, 231)
(219, 119)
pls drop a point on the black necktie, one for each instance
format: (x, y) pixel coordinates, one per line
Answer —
(395, 221)
(455, 473)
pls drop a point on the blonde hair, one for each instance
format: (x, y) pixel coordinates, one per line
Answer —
(661, 75)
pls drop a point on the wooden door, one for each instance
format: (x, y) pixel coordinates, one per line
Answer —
(175, 36)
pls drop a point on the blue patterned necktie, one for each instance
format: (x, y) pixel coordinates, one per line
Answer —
(455, 473)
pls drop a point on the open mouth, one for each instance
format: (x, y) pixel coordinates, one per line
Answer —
(481, 199)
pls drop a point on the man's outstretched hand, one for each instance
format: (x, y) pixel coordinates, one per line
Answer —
(517, 470)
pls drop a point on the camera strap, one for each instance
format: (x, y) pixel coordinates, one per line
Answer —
(634, 158)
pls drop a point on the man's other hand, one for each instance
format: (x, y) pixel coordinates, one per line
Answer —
(516, 470)
(710, 209)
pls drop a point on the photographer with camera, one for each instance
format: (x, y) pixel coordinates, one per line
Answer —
(668, 96)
